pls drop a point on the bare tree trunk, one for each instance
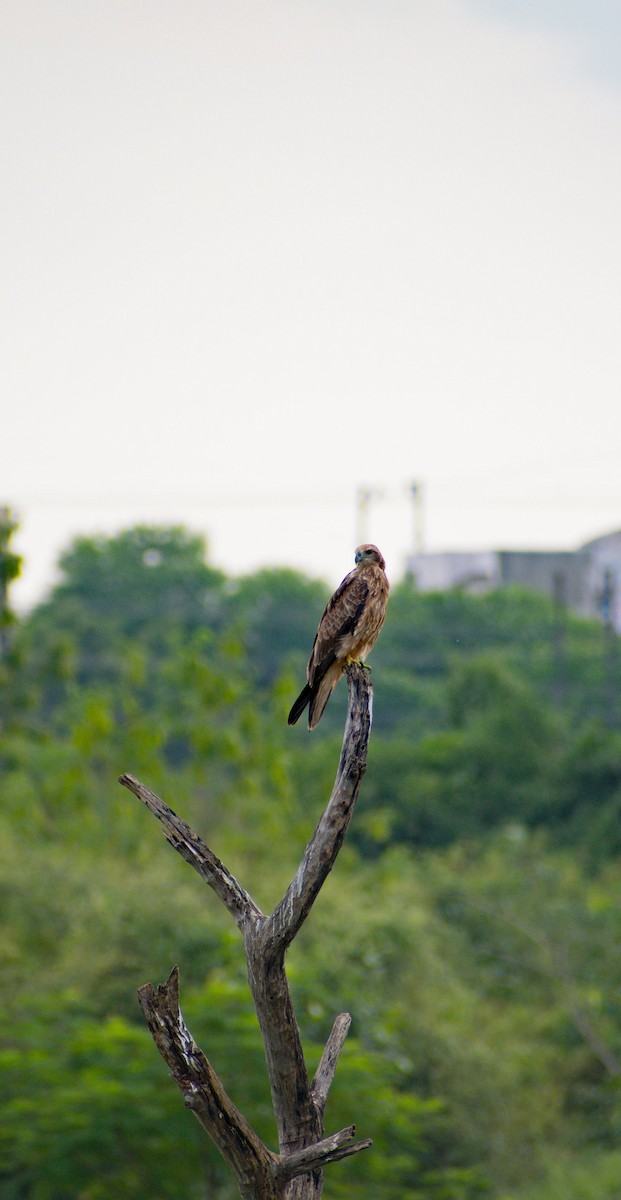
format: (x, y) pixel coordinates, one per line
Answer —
(296, 1171)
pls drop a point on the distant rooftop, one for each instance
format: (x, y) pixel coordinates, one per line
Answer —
(587, 580)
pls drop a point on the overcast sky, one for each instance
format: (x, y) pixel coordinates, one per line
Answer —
(259, 253)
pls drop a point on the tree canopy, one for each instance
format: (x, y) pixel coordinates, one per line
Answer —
(471, 928)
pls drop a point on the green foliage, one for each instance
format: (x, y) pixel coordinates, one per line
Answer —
(10, 563)
(84, 1112)
(471, 926)
(425, 633)
(494, 761)
(586, 801)
(275, 610)
(595, 1178)
(162, 571)
(10, 566)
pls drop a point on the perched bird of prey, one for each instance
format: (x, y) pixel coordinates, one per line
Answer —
(347, 631)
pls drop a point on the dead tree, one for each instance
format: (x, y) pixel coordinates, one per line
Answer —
(296, 1171)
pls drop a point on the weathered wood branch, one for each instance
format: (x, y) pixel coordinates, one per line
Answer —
(298, 1118)
(324, 1074)
(313, 1158)
(253, 1165)
(320, 854)
(192, 848)
(296, 1172)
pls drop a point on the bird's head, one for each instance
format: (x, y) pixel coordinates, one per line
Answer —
(369, 554)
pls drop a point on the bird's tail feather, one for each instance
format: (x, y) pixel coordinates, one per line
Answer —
(321, 694)
(297, 708)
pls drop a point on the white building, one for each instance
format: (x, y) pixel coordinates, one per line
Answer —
(587, 580)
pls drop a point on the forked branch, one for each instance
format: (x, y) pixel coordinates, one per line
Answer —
(252, 1163)
(295, 1173)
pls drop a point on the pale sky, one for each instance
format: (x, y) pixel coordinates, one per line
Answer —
(259, 253)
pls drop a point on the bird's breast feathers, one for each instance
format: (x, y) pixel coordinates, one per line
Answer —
(348, 629)
(360, 612)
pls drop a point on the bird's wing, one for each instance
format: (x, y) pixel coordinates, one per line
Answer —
(340, 618)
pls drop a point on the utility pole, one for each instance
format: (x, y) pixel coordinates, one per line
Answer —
(364, 497)
(416, 492)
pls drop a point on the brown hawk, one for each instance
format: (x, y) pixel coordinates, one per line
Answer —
(347, 631)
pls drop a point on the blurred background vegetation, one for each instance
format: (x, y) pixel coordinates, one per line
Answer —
(472, 926)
